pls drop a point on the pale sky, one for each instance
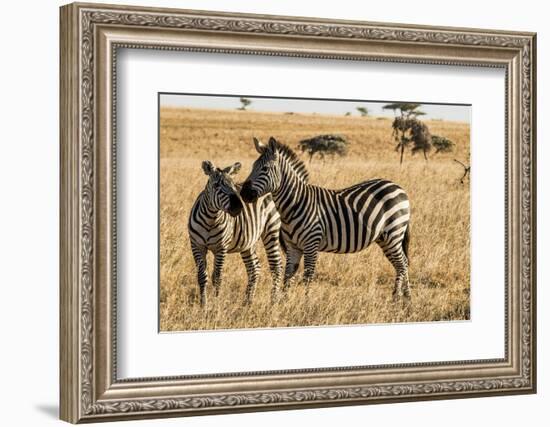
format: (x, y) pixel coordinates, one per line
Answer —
(459, 112)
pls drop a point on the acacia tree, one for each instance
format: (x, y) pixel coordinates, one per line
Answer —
(421, 137)
(244, 103)
(407, 129)
(323, 145)
(406, 110)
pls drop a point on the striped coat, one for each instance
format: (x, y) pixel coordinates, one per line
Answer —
(219, 222)
(317, 219)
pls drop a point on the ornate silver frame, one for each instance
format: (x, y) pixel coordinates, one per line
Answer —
(90, 36)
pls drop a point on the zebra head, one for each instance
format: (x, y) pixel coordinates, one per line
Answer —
(266, 174)
(221, 192)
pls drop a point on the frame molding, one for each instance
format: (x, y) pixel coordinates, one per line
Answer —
(90, 37)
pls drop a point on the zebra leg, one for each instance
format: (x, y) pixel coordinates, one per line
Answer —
(252, 265)
(273, 252)
(293, 257)
(311, 253)
(394, 252)
(406, 286)
(219, 260)
(199, 255)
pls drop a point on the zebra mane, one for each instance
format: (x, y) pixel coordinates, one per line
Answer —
(293, 160)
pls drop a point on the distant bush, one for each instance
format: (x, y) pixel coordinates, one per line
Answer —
(442, 145)
(364, 111)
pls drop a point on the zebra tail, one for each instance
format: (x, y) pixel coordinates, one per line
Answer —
(405, 242)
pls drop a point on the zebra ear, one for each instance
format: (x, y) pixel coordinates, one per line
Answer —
(207, 167)
(260, 148)
(272, 145)
(233, 169)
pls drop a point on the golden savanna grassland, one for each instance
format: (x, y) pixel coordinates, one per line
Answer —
(348, 289)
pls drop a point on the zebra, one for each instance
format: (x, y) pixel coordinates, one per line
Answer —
(221, 223)
(316, 219)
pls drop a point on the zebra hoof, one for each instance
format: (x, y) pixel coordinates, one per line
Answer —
(397, 295)
(281, 297)
(276, 297)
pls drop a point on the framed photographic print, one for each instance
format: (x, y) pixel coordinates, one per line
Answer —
(266, 212)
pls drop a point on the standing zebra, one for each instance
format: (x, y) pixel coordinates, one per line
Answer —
(219, 222)
(341, 221)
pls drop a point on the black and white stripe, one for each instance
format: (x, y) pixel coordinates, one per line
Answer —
(221, 223)
(317, 219)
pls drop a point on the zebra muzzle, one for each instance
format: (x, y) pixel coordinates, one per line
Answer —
(248, 194)
(235, 205)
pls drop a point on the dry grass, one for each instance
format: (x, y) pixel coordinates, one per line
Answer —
(349, 289)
